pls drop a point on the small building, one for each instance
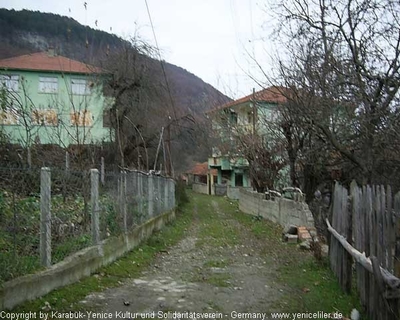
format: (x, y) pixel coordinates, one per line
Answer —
(50, 99)
(200, 178)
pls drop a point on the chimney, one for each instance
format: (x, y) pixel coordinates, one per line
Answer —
(51, 52)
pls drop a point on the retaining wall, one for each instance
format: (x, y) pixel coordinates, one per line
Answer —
(282, 211)
(78, 265)
(233, 192)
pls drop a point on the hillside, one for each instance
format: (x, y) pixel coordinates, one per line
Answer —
(23, 32)
(26, 31)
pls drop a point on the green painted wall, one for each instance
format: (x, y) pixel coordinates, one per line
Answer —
(28, 99)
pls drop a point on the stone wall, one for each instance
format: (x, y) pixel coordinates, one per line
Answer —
(281, 210)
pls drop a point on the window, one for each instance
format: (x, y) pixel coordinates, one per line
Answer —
(44, 117)
(250, 117)
(81, 118)
(9, 116)
(9, 81)
(234, 117)
(80, 86)
(48, 84)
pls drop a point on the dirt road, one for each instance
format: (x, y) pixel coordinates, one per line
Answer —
(219, 266)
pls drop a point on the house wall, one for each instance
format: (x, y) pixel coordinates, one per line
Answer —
(63, 103)
(281, 210)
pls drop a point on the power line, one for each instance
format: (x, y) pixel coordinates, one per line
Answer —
(161, 62)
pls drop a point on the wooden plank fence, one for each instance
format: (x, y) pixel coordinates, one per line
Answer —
(365, 233)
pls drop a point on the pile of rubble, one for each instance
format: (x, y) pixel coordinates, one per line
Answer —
(304, 236)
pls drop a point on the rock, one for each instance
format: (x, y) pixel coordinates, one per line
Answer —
(290, 229)
(291, 238)
(305, 245)
(324, 250)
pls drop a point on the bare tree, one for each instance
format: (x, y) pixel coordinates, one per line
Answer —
(342, 71)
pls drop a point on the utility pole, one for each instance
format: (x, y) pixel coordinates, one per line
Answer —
(254, 111)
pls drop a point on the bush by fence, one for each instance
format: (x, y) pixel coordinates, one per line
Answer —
(46, 215)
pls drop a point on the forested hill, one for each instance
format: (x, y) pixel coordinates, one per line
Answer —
(26, 31)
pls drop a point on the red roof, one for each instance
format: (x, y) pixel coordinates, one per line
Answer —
(42, 61)
(201, 169)
(270, 95)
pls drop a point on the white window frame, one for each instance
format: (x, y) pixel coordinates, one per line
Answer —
(10, 81)
(80, 87)
(48, 84)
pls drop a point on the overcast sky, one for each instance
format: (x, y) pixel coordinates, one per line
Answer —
(213, 39)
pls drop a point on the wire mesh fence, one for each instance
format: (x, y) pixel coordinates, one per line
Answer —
(46, 215)
(19, 221)
(130, 198)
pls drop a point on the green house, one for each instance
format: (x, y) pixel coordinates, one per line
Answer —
(247, 115)
(49, 99)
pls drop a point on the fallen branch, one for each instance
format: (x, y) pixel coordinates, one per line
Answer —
(392, 281)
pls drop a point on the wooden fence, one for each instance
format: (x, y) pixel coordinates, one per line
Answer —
(365, 230)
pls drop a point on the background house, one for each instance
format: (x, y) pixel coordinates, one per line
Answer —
(50, 99)
(200, 178)
(247, 117)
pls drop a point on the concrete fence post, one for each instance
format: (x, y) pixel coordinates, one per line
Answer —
(102, 171)
(94, 189)
(166, 190)
(124, 200)
(140, 192)
(45, 217)
(173, 193)
(150, 195)
(66, 161)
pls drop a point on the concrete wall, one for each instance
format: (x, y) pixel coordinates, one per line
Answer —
(200, 188)
(220, 189)
(78, 265)
(233, 192)
(282, 211)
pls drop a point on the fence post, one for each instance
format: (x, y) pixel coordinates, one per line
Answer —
(150, 195)
(140, 192)
(94, 188)
(166, 194)
(45, 217)
(102, 171)
(123, 200)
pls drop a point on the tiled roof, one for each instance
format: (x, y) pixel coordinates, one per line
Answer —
(201, 169)
(42, 61)
(270, 95)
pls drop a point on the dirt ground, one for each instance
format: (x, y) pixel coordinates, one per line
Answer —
(198, 275)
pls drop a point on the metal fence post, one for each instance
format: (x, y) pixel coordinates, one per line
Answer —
(45, 217)
(150, 195)
(94, 188)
